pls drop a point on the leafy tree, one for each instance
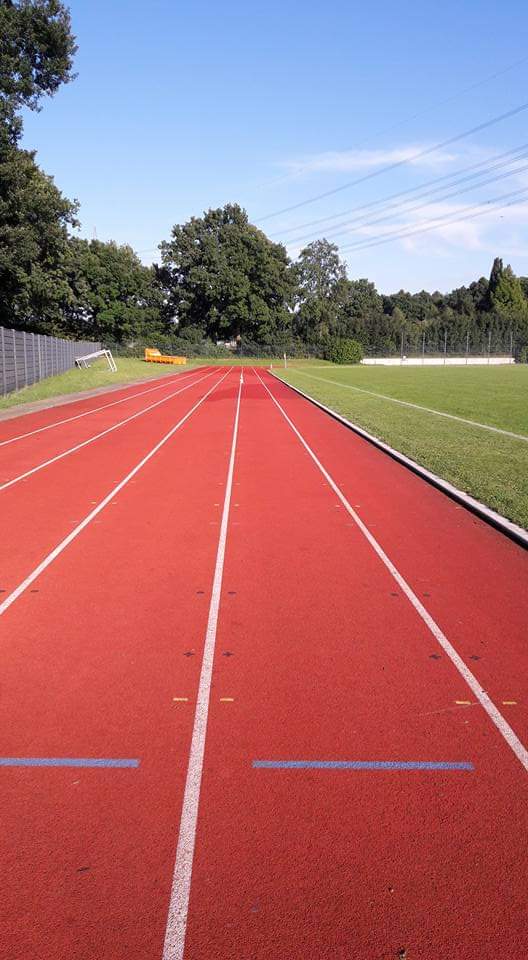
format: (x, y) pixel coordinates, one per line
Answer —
(34, 221)
(479, 291)
(36, 53)
(418, 308)
(398, 318)
(462, 302)
(362, 311)
(114, 297)
(222, 275)
(506, 297)
(320, 277)
(36, 56)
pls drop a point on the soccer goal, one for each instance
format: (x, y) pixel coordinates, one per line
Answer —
(89, 357)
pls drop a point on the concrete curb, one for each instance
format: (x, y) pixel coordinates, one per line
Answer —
(511, 530)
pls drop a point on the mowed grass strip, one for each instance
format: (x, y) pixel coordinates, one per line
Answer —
(497, 396)
(489, 466)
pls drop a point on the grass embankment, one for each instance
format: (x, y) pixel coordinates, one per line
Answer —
(98, 375)
(490, 466)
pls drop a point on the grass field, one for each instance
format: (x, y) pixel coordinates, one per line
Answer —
(490, 466)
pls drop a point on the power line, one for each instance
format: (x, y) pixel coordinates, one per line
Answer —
(439, 221)
(400, 123)
(399, 163)
(434, 222)
(409, 190)
(361, 221)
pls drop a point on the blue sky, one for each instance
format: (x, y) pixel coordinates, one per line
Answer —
(180, 106)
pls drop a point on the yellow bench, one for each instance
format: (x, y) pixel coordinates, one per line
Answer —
(154, 356)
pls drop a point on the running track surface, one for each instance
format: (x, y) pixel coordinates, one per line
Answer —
(226, 599)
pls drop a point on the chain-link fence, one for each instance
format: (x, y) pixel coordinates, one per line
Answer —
(26, 358)
(406, 345)
(249, 349)
(445, 347)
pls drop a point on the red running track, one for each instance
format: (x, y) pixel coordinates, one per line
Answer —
(318, 655)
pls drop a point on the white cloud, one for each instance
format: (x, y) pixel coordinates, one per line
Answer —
(352, 161)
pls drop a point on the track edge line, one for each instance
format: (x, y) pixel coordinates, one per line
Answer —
(511, 530)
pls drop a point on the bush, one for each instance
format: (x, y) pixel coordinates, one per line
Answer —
(343, 350)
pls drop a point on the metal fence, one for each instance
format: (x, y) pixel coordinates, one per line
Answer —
(443, 345)
(26, 358)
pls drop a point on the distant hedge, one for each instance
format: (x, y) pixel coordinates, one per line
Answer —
(343, 350)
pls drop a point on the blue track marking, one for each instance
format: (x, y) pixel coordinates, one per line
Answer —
(65, 762)
(365, 764)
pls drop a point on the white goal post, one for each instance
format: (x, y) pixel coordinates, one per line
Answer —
(86, 360)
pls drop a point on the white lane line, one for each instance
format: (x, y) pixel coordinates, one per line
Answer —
(494, 714)
(57, 423)
(417, 406)
(181, 884)
(480, 509)
(10, 599)
(103, 433)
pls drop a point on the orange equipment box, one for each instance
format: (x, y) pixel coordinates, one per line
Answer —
(154, 356)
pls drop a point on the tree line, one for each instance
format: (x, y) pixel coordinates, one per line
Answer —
(219, 278)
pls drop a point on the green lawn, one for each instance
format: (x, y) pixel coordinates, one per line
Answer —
(98, 375)
(491, 467)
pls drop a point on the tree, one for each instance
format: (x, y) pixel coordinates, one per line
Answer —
(362, 311)
(34, 221)
(222, 275)
(113, 296)
(36, 56)
(506, 298)
(320, 276)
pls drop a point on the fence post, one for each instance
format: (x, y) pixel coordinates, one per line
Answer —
(15, 359)
(4, 384)
(24, 335)
(445, 347)
(489, 346)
